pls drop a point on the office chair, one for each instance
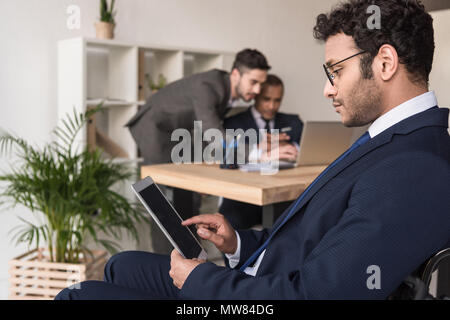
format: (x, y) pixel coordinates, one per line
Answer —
(416, 286)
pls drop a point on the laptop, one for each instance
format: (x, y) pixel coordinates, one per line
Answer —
(321, 143)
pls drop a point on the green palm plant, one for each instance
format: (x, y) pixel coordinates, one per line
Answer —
(73, 190)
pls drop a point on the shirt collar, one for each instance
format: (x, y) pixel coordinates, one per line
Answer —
(233, 103)
(405, 110)
(257, 115)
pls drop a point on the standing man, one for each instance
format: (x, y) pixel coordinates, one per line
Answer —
(205, 97)
(263, 115)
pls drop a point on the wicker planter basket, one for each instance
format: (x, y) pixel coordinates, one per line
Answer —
(33, 277)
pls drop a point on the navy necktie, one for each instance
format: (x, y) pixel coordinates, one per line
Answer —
(363, 139)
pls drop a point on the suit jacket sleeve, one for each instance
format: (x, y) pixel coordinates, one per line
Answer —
(297, 131)
(392, 222)
(206, 106)
(251, 240)
(293, 121)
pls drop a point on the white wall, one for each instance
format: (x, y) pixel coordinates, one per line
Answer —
(440, 75)
(281, 29)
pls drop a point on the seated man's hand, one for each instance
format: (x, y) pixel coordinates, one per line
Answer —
(282, 138)
(285, 151)
(180, 268)
(215, 228)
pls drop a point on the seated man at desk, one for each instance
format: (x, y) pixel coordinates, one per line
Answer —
(368, 221)
(263, 115)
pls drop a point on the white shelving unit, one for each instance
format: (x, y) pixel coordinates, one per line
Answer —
(91, 71)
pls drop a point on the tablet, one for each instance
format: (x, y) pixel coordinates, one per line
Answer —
(168, 219)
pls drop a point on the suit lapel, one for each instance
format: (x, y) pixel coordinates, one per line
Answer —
(281, 121)
(277, 122)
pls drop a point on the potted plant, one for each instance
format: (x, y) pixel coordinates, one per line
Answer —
(105, 27)
(154, 87)
(74, 193)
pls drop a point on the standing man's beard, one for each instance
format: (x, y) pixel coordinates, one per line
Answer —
(241, 94)
(364, 104)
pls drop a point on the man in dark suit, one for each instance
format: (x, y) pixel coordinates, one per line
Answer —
(369, 220)
(204, 97)
(263, 115)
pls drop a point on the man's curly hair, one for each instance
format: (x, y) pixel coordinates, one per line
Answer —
(404, 24)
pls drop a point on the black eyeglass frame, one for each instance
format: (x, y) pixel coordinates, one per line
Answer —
(329, 74)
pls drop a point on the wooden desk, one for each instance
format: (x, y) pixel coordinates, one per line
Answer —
(249, 187)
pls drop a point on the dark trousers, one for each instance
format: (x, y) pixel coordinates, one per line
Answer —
(128, 275)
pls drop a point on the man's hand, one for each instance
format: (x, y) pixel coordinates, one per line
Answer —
(180, 268)
(215, 228)
(282, 138)
(285, 151)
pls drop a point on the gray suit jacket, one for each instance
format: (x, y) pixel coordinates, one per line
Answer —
(203, 96)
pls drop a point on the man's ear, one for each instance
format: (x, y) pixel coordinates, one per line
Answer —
(235, 72)
(386, 62)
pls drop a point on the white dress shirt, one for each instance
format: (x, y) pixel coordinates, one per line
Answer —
(387, 120)
(260, 122)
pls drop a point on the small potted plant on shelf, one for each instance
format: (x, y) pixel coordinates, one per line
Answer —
(71, 194)
(105, 27)
(154, 87)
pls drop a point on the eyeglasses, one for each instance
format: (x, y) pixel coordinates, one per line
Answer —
(331, 76)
